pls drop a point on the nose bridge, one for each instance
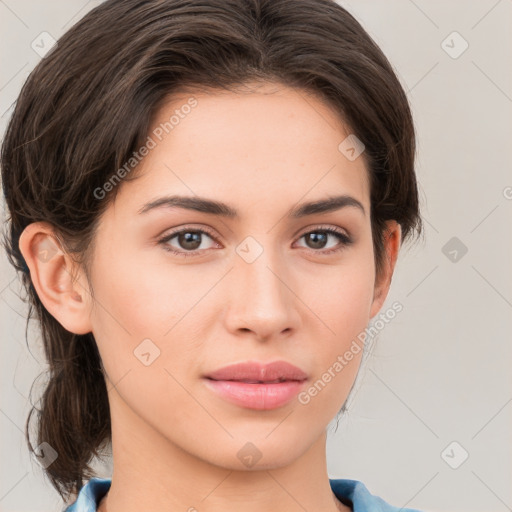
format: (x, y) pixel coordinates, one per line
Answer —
(259, 266)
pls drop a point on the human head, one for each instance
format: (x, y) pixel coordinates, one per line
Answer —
(91, 103)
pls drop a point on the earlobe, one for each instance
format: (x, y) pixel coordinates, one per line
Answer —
(392, 240)
(51, 272)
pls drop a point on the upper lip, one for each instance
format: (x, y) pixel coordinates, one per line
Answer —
(259, 372)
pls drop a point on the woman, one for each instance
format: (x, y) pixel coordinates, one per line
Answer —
(207, 201)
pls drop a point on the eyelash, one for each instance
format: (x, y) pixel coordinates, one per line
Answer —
(342, 237)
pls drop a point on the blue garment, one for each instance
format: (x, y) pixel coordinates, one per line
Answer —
(352, 492)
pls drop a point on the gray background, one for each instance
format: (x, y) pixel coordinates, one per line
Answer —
(440, 372)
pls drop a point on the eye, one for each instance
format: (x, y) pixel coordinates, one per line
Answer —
(189, 241)
(318, 239)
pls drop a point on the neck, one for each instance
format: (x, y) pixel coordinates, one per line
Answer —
(152, 473)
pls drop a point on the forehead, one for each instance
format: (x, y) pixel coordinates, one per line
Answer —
(260, 146)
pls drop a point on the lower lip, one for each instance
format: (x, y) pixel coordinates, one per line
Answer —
(256, 396)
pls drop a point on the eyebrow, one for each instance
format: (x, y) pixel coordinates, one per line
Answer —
(204, 205)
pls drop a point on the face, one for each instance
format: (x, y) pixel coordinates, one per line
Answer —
(182, 292)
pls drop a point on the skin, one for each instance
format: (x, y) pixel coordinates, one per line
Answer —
(174, 442)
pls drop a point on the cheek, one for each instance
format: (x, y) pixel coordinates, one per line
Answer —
(139, 314)
(140, 298)
(342, 296)
(345, 310)
(343, 303)
(136, 301)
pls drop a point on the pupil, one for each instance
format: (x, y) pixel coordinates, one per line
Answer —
(188, 238)
(315, 237)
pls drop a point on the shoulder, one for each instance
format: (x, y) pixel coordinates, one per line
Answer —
(90, 495)
(360, 498)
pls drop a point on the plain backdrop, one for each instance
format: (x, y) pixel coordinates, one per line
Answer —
(430, 423)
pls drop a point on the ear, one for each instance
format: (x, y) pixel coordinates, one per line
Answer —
(392, 237)
(68, 300)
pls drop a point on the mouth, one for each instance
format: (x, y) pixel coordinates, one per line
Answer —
(256, 372)
(253, 385)
(248, 381)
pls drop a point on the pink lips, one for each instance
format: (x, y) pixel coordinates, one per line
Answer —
(257, 386)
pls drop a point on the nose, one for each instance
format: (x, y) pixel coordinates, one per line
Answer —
(262, 299)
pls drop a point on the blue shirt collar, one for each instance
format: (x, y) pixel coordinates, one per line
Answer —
(352, 492)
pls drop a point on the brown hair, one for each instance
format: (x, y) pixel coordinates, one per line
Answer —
(88, 105)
